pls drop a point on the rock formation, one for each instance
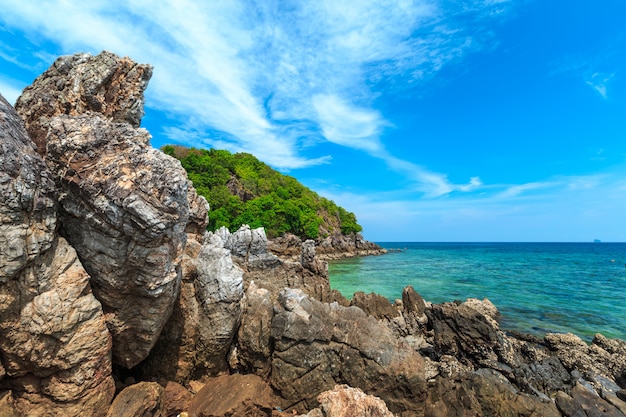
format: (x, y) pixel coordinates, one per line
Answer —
(318, 345)
(124, 205)
(108, 277)
(55, 348)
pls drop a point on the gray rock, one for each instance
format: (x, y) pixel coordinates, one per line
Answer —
(125, 209)
(77, 84)
(28, 198)
(54, 342)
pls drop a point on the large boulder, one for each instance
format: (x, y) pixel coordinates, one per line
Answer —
(124, 205)
(319, 345)
(145, 399)
(197, 338)
(77, 84)
(54, 342)
(234, 395)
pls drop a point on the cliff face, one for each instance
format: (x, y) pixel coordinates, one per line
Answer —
(107, 276)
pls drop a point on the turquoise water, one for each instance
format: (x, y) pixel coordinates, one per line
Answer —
(537, 287)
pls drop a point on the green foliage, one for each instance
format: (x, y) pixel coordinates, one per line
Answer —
(243, 190)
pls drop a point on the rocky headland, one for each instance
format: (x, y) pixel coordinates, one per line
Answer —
(116, 301)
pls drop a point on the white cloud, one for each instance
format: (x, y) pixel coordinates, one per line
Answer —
(599, 81)
(267, 76)
(347, 125)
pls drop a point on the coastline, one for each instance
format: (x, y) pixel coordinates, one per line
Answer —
(118, 302)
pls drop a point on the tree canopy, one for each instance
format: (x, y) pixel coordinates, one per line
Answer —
(243, 190)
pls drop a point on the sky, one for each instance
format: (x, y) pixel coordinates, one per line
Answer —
(431, 120)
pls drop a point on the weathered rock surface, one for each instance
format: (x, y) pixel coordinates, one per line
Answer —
(483, 393)
(335, 246)
(77, 84)
(233, 396)
(254, 343)
(54, 343)
(320, 345)
(125, 210)
(125, 205)
(28, 198)
(176, 398)
(250, 251)
(198, 336)
(345, 401)
(145, 399)
(339, 246)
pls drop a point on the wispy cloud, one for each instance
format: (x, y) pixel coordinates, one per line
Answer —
(271, 77)
(599, 81)
(577, 208)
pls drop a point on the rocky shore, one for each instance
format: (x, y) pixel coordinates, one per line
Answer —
(115, 301)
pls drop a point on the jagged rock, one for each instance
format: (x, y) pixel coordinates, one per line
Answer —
(28, 197)
(413, 311)
(125, 210)
(124, 204)
(234, 395)
(250, 251)
(375, 305)
(338, 245)
(197, 338)
(54, 343)
(254, 347)
(592, 404)
(463, 332)
(53, 337)
(287, 246)
(320, 345)
(483, 393)
(345, 401)
(604, 358)
(310, 261)
(145, 399)
(7, 406)
(543, 378)
(81, 83)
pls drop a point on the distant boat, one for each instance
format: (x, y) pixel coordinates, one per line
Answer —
(597, 241)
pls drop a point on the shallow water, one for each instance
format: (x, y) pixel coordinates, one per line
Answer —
(537, 287)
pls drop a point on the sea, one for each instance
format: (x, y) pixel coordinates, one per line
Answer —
(538, 288)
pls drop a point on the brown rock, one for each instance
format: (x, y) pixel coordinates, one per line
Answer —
(568, 406)
(7, 408)
(463, 332)
(81, 83)
(145, 399)
(54, 343)
(250, 251)
(177, 398)
(234, 395)
(483, 393)
(345, 401)
(605, 358)
(320, 345)
(254, 338)
(197, 338)
(592, 404)
(375, 305)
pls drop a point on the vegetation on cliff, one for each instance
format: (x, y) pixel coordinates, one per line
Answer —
(243, 190)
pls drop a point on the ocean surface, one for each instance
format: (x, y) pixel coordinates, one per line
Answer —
(537, 287)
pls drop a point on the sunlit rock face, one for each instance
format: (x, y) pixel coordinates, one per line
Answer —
(124, 205)
(54, 343)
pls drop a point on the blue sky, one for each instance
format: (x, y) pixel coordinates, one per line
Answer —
(432, 120)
